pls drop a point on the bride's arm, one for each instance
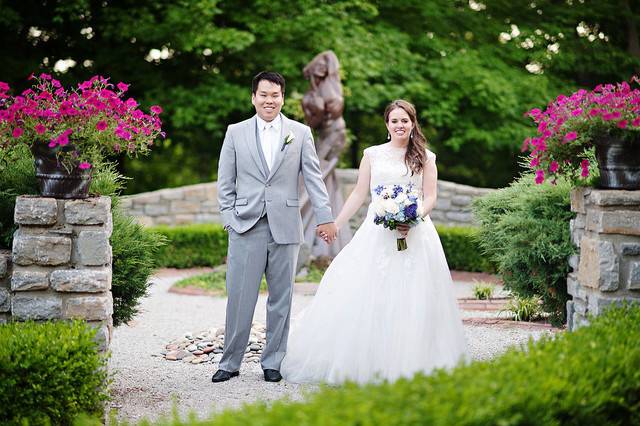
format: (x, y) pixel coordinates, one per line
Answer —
(358, 195)
(429, 186)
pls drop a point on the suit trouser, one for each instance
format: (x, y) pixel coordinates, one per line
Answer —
(250, 255)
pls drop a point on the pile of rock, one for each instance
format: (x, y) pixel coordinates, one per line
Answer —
(207, 346)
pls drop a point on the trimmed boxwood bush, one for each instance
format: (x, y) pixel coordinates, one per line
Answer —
(50, 372)
(525, 231)
(192, 245)
(586, 377)
(206, 245)
(460, 244)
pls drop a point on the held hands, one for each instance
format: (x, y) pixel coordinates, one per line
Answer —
(328, 232)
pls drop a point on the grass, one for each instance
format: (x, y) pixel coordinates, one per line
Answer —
(314, 274)
(213, 282)
(483, 291)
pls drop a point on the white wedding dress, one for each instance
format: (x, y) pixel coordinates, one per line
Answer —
(379, 313)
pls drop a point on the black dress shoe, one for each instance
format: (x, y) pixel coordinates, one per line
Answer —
(272, 375)
(223, 376)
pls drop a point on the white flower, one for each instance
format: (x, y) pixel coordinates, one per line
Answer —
(401, 197)
(379, 207)
(288, 139)
(390, 206)
(386, 192)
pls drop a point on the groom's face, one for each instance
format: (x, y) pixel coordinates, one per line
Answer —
(268, 100)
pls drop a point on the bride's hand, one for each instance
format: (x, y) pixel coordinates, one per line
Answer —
(403, 230)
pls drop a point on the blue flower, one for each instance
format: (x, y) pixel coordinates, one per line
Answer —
(378, 189)
(410, 211)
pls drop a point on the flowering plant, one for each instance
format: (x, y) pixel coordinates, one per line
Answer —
(395, 205)
(287, 140)
(81, 125)
(571, 125)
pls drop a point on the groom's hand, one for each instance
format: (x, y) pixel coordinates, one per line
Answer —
(328, 232)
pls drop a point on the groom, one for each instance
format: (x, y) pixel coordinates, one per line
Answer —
(260, 162)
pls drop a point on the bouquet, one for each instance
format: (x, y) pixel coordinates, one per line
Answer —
(397, 205)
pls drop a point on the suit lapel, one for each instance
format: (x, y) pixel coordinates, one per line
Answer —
(250, 135)
(282, 149)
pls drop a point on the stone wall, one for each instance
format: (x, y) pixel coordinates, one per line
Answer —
(60, 266)
(198, 203)
(607, 269)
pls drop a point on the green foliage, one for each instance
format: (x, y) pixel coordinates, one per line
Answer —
(192, 245)
(315, 271)
(17, 177)
(524, 308)
(525, 232)
(214, 282)
(462, 250)
(483, 291)
(51, 372)
(586, 377)
(135, 257)
(446, 56)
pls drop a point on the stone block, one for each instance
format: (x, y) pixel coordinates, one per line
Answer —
(610, 197)
(211, 192)
(461, 200)
(172, 194)
(36, 307)
(183, 206)
(103, 336)
(599, 303)
(126, 203)
(163, 220)
(80, 280)
(579, 306)
(29, 280)
(574, 288)
(459, 217)
(599, 265)
(184, 219)
(5, 300)
(5, 263)
(625, 222)
(443, 204)
(156, 209)
(31, 210)
(633, 279)
(577, 197)
(41, 250)
(89, 308)
(574, 261)
(570, 313)
(146, 198)
(194, 193)
(207, 218)
(93, 248)
(91, 211)
(630, 249)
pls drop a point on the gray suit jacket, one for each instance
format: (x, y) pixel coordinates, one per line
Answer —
(246, 188)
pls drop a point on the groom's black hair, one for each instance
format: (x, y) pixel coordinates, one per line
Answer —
(272, 76)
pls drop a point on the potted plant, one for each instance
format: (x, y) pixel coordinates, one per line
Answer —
(607, 119)
(68, 131)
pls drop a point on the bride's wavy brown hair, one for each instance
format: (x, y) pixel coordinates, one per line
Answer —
(416, 156)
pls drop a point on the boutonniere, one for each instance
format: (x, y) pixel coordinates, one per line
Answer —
(287, 140)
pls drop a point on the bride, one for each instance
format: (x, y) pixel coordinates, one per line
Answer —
(380, 313)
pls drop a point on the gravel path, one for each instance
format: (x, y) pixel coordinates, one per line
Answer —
(147, 386)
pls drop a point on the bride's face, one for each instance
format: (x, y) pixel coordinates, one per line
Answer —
(399, 125)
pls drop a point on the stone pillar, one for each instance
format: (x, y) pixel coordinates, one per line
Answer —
(607, 269)
(5, 285)
(62, 262)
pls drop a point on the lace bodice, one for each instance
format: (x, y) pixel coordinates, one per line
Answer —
(388, 166)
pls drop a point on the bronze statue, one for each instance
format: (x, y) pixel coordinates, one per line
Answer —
(323, 105)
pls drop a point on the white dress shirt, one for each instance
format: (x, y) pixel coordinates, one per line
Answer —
(269, 138)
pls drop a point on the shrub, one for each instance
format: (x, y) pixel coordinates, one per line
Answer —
(192, 245)
(50, 372)
(483, 291)
(586, 377)
(462, 249)
(525, 231)
(135, 257)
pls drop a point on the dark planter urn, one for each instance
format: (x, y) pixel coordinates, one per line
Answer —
(54, 180)
(619, 162)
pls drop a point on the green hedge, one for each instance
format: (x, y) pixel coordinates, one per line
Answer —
(192, 245)
(50, 373)
(587, 377)
(460, 244)
(206, 245)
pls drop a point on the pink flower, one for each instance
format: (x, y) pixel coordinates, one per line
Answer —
(636, 122)
(85, 85)
(554, 166)
(571, 136)
(52, 143)
(585, 168)
(534, 162)
(101, 125)
(84, 165)
(539, 177)
(44, 76)
(156, 109)
(55, 83)
(40, 129)
(17, 132)
(576, 112)
(131, 103)
(122, 86)
(4, 87)
(622, 124)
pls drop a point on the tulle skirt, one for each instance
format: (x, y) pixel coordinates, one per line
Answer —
(379, 313)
